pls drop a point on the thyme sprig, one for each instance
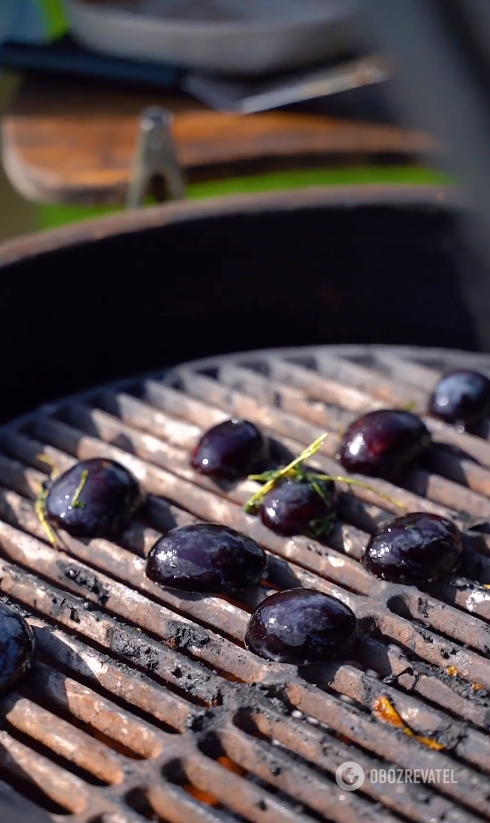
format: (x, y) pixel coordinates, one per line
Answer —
(295, 470)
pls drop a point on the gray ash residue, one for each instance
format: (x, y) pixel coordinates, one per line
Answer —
(182, 636)
(86, 580)
(423, 607)
(124, 645)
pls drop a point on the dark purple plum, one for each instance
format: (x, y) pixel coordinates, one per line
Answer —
(416, 548)
(299, 506)
(384, 443)
(16, 647)
(301, 626)
(231, 451)
(94, 498)
(206, 558)
(461, 397)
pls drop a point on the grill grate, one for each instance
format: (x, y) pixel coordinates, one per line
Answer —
(145, 705)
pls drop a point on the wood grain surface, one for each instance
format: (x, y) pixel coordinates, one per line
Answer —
(73, 143)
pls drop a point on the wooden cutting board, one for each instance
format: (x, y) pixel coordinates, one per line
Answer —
(73, 142)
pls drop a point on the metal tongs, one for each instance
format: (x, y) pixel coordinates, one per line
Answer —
(156, 165)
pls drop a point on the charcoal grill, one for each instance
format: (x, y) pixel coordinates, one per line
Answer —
(144, 704)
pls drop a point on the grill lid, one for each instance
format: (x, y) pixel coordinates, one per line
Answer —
(144, 704)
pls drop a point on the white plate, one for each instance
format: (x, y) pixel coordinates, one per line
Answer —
(226, 36)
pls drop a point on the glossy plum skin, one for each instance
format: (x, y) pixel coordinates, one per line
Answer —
(16, 648)
(106, 504)
(461, 397)
(231, 451)
(301, 626)
(416, 548)
(383, 443)
(294, 506)
(206, 558)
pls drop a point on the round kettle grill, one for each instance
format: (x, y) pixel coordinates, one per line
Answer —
(143, 704)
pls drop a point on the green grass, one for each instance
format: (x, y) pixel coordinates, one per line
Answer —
(55, 17)
(51, 216)
(363, 175)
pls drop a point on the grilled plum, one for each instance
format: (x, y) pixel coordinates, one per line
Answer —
(94, 498)
(16, 647)
(230, 451)
(299, 505)
(384, 443)
(206, 558)
(416, 548)
(301, 626)
(461, 397)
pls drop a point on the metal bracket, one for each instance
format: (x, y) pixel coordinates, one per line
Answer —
(155, 158)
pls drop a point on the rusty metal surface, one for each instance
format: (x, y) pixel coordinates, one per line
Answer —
(145, 705)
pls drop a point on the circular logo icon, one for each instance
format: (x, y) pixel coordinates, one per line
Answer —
(350, 776)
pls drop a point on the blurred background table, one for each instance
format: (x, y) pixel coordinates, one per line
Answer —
(73, 142)
(68, 143)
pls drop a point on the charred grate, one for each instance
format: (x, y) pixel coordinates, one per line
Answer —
(144, 705)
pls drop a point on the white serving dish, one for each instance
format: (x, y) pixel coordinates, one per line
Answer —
(224, 36)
